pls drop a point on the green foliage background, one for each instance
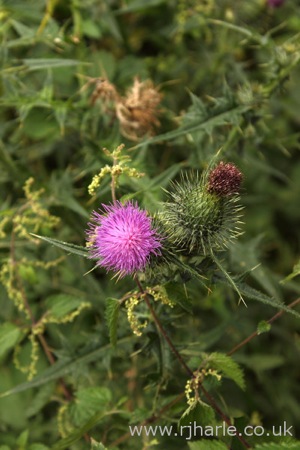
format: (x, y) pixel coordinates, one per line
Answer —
(229, 75)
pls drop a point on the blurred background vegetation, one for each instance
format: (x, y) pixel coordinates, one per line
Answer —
(175, 81)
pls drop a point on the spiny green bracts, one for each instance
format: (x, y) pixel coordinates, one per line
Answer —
(203, 212)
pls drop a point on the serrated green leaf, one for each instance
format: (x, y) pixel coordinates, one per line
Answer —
(71, 248)
(199, 413)
(61, 305)
(278, 446)
(111, 315)
(88, 402)
(9, 336)
(97, 445)
(227, 366)
(207, 444)
(263, 327)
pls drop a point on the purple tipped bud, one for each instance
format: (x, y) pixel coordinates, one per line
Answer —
(224, 180)
(275, 3)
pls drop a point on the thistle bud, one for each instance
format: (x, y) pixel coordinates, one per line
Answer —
(203, 212)
(275, 3)
(224, 180)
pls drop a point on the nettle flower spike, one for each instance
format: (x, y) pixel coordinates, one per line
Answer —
(203, 213)
(122, 238)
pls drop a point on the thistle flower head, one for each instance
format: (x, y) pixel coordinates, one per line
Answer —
(224, 180)
(122, 239)
(203, 212)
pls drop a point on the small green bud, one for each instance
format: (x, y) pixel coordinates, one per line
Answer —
(203, 212)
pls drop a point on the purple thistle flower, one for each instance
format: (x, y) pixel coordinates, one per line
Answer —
(122, 238)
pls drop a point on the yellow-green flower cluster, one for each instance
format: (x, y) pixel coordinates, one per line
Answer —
(159, 295)
(118, 168)
(134, 322)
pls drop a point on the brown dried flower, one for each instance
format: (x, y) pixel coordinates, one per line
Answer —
(137, 111)
(104, 90)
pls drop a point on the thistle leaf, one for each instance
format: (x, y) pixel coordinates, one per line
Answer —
(227, 276)
(70, 248)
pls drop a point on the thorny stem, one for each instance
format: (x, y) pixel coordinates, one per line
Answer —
(176, 400)
(183, 364)
(162, 330)
(256, 333)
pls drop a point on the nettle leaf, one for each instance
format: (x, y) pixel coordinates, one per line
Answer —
(70, 248)
(227, 366)
(263, 327)
(199, 413)
(9, 336)
(63, 307)
(111, 315)
(207, 444)
(97, 445)
(278, 446)
(88, 402)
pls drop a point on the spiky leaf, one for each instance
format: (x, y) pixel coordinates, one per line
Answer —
(70, 248)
